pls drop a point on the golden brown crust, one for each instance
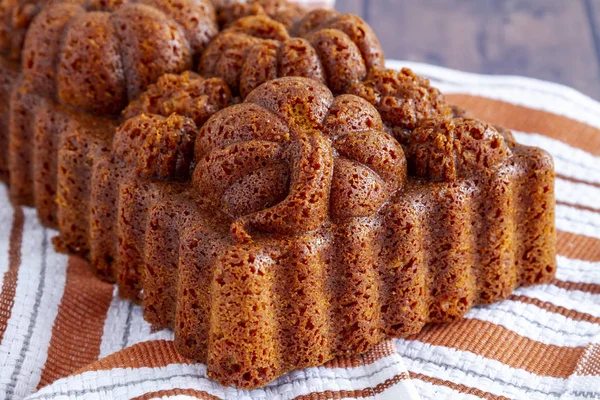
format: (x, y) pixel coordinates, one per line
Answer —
(444, 149)
(98, 57)
(285, 12)
(156, 147)
(335, 49)
(15, 18)
(338, 166)
(186, 94)
(9, 72)
(313, 20)
(301, 236)
(287, 230)
(402, 98)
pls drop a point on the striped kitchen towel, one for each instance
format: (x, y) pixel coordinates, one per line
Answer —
(66, 335)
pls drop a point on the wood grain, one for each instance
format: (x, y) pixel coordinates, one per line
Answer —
(545, 39)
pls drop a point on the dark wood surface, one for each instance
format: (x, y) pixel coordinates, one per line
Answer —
(555, 40)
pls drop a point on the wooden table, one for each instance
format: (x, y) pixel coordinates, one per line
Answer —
(555, 40)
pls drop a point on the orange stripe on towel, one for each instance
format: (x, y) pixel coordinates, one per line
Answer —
(79, 325)
(9, 285)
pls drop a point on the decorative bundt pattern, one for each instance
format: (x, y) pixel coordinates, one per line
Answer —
(402, 98)
(285, 12)
(98, 56)
(335, 152)
(156, 147)
(186, 94)
(335, 49)
(157, 137)
(299, 236)
(15, 18)
(444, 149)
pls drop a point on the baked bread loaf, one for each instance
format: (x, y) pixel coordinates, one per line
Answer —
(111, 51)
(293, 202)
(292, 228)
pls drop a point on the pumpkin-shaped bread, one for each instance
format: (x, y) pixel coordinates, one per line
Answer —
(98, 56)
(293, 155)
(335, 49)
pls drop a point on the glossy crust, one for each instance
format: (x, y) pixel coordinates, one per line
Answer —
(302, 231)
(335, 49)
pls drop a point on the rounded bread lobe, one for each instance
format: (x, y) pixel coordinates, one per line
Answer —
(227, 55)
(186, 94)
(313, 20)
(240, 122)
(402, 98)
(338, 50)
(283, 11)
(298, 58)
(323, 157)
(260, 27)
(260, 66)
(445, 149)
(99, 56)
(151, 45)
(41, 50)
(359, 32)
(90, 72)
(350, 113)
(156, 147)
(15, 18)
(302, 103)
(197, 19)
(340, 57)
(370, 166)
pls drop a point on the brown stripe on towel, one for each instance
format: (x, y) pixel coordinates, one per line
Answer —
(79, 325)
(457, 387)
(489, 340)
(9, 285)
